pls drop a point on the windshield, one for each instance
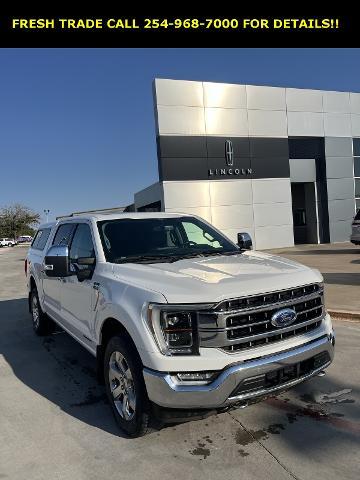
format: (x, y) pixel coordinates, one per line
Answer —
(160, 239)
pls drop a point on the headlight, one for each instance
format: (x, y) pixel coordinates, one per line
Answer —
(174, 329)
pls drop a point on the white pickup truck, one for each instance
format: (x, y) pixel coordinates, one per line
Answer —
(181, 319)
(7, 242)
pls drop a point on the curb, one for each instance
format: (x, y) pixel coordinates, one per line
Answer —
(347, 315)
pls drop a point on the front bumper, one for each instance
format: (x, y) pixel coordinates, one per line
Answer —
(243, 381)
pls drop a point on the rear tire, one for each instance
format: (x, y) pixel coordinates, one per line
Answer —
(41, 322)
(125, 387)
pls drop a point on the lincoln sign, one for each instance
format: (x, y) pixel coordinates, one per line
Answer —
(229, 171)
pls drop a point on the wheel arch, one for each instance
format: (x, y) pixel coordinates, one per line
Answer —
(109, 328)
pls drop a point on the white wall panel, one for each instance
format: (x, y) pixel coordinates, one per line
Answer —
(226, 121)
(339, 167)
(273, 214)
(301, 100)
(355, 102)
(302, 170)
(224, 95)
(180, 120)
(179, 92)
(341, 209)
(355, 125)
(272, 190)
(274, 237)
(340, 188)
(337, 125)
(230, 192)
(338, 147)
(232, 216)
(264, 123)
(336, 102)
(340, 231)
(186, 194)
(265, 98)
(307, 124)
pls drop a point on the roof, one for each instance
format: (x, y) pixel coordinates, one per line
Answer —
(114, 216)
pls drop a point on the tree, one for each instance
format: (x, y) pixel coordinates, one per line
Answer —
(16, 220)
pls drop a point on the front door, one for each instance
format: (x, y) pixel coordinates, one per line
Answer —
(52, 286)
(78, 296)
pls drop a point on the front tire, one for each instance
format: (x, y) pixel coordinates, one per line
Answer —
(125, 387)
(41, 323)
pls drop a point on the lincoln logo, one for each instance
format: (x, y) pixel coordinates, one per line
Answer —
(229, 153)
(229, 159)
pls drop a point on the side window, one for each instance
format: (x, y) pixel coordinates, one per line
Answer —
(40, 239)
(63, 234)
(196, 234)
(36, 238)
(82, 245)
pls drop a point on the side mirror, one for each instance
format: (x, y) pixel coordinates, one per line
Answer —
(56, 263)
(244, 241)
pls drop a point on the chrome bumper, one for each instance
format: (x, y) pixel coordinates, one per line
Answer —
(164, 391)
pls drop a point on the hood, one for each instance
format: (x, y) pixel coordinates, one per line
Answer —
(212, 279)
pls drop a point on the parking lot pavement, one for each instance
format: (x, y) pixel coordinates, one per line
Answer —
(340, 265)
(55, 422)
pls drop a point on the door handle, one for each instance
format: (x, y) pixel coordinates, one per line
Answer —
(96, 285)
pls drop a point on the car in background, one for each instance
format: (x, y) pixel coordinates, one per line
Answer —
(24, 239)
(7, 242)
(355, 234)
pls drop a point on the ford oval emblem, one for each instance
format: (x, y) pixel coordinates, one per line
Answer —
(283, 317)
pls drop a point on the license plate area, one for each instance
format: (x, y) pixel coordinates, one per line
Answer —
(280, 376)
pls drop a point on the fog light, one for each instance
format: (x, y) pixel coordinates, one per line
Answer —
(197, 376)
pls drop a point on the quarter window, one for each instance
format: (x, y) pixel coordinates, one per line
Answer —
(40, 239)
(64, 234)
(82, 245)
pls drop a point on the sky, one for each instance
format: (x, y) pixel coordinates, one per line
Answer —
(77, 127)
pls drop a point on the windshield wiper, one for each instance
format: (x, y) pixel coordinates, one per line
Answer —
(175, 258)
(220, 254)
(143, 259)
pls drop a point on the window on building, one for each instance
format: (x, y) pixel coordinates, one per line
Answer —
(356, 151)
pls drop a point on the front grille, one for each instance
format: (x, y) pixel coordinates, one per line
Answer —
(267, 299)
(276, 378)
(244, 323)
(273, 338)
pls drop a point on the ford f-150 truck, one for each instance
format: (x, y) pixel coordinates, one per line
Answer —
(181, 319)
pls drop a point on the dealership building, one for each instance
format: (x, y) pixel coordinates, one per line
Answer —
(280, 163)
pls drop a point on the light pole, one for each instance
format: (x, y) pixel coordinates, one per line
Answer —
(47, 211)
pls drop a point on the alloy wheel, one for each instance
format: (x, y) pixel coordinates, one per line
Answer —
(122, 386)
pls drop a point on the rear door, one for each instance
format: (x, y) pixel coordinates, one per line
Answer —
(52, 285)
